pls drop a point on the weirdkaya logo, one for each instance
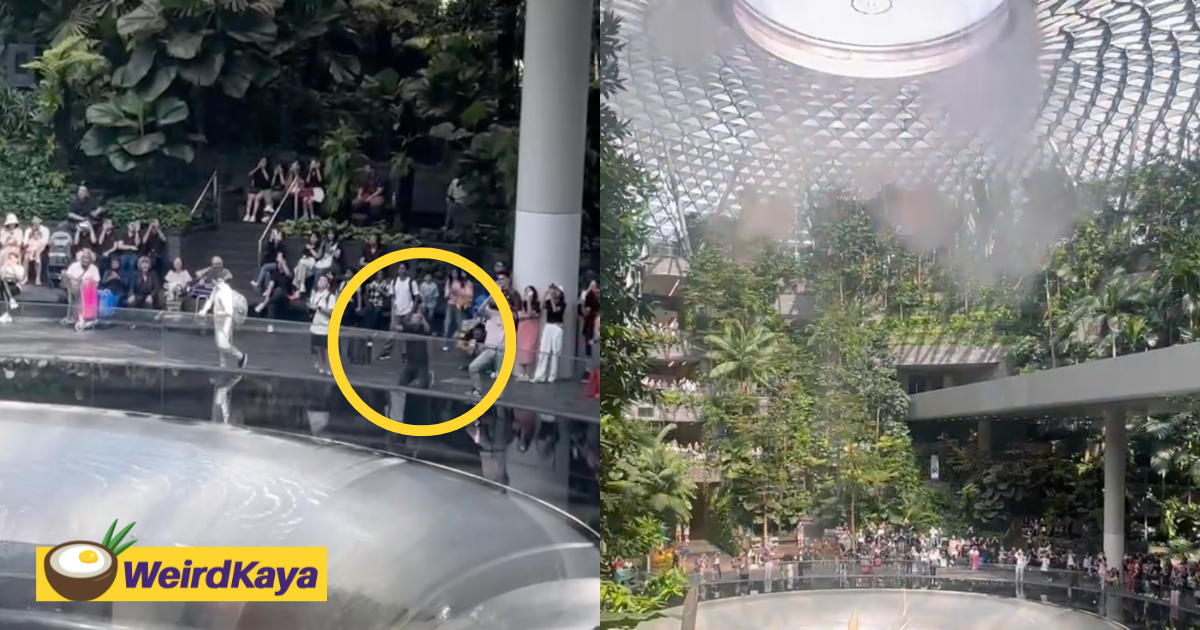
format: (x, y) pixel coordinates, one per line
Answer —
(82, 570)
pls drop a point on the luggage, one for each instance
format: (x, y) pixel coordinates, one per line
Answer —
(108, 303)
(241, 308)
(89, 305)
(360, 351)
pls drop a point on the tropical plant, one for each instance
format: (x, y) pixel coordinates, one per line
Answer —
(71, 65)
(748, 356)
(341, 160)
(130, 131)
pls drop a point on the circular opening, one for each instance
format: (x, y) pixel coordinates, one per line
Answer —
(873, 38)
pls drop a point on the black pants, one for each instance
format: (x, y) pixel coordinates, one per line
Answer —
(375, 318)
(139, 301)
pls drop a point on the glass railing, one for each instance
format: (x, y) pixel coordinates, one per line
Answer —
(426, 364)
(552, 458)
(1130, 611)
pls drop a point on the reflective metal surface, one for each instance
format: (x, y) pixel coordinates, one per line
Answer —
(209, 458)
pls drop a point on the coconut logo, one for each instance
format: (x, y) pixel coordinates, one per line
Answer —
(82, 570)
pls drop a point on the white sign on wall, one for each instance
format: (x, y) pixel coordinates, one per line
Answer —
(933, 467)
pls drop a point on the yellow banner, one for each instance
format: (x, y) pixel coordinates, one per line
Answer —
(84, 571)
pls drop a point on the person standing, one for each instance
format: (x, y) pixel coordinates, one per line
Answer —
(529, 324)
(552, 337)
(228, 307)
(460, 294)
(406, 298)
(1022, 561)
(321, 304)
(416, 371)
(491, 354)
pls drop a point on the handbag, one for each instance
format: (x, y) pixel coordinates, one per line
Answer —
(318, 194)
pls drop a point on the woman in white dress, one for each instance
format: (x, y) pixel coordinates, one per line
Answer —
(12, 251)
(321, 304)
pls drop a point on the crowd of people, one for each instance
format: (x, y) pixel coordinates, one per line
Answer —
(904, 551)
(126, 268)
(693, 451)
(686, 386)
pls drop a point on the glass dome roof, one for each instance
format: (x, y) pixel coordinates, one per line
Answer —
(721, 111)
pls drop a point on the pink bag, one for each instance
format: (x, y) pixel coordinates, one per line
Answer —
(89, 303)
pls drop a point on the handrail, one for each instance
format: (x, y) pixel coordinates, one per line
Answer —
(212, 182)
(295, 193)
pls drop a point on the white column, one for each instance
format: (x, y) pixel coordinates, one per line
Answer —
(1116, 442)
(554, 109)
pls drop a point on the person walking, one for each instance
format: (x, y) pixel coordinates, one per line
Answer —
(228, 307)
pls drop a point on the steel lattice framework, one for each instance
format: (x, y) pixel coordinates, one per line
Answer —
(1091, 87)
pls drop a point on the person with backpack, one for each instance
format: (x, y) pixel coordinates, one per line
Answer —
(228, 307)
(406, 299)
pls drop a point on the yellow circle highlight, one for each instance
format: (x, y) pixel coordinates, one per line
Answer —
(510, 342)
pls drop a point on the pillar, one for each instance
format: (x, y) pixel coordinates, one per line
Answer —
(553, 142)
(1116, 443)
(983, 435)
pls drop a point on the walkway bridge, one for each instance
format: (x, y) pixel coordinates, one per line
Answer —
(1145, 382)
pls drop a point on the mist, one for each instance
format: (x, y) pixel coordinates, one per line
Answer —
(960, 152)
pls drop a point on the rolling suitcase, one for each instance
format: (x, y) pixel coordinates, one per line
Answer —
(360, 351)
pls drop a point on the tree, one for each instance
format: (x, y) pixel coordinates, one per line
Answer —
(748, 356)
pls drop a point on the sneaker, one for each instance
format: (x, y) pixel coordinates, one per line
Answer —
(475, 392)
(270, 328)
(242, 361)
(254, 283)
(6, 318)
(384, 357)
(13, 304)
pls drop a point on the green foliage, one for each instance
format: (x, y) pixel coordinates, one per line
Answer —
(1022, 483)
(488, 168)
(642, 479)
(71, 64)
(340, 161)
(386, 236)
(129, 130)
(31, 183)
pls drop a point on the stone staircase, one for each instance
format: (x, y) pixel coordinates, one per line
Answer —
(237, 245)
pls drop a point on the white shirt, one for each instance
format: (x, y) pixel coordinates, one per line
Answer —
(179, 278)
(403, 290)
(43, 234)
(78, 274)
(322, 304)
(456, 193)
(221, 301)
